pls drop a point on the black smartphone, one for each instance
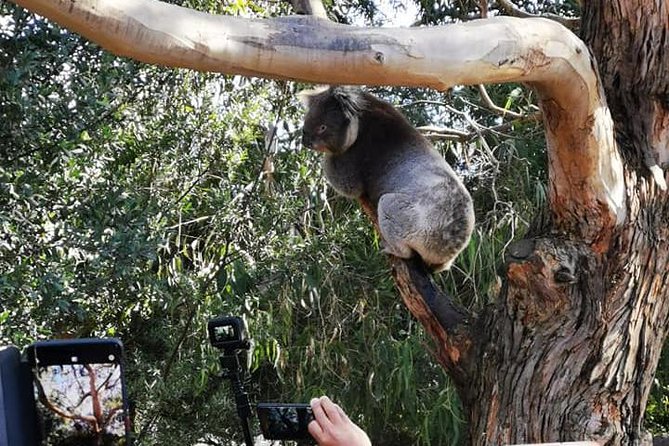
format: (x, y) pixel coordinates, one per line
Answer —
(285, 421)
(80, 392)
(17, 413)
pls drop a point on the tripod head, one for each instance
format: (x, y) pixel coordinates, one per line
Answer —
(228, 334)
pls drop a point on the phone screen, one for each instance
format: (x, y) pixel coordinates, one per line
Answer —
(281, 421)
(79, 393)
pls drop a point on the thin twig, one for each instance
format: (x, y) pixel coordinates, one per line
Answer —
(436, 132)
(189, 222)
(572, 23)
(444, 131)
(484, 9)
(494, 107)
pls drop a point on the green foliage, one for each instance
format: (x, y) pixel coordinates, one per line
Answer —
(447, 11)
(657, 410)
(138, 202)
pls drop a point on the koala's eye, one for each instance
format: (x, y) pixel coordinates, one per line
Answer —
(321, 129)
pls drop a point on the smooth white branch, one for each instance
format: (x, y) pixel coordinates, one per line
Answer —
(586, 174)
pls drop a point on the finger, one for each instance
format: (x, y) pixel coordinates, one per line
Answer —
(319, 414)
(316, 431)
(342, 414)
(331, 410)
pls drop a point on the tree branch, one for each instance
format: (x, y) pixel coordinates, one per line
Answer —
(437, 132)
(447, 324)
(41, 395)
(586, 191)
(511, 9)
(483, 4)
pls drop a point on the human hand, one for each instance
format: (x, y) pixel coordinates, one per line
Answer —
(332, 427)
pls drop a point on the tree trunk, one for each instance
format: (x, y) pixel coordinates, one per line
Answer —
(573, 341)
(570, 349)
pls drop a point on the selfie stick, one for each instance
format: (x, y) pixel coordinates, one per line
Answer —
(233, 371)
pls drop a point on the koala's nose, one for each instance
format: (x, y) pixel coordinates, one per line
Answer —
(306, 139)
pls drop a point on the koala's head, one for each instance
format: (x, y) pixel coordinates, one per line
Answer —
(333, 117)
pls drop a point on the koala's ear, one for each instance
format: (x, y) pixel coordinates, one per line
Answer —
(350, 98)
(306, 97)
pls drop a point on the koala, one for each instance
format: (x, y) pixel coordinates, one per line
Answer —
(372, 152)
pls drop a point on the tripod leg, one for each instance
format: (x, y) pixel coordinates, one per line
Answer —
(247, 432)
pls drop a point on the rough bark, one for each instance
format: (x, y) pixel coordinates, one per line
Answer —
(573, 341)
(631, 42)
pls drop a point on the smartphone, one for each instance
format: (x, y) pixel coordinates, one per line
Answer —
(17, 413)
(80, 392)
(285, 421)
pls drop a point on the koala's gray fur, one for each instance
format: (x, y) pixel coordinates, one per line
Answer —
(371, 151)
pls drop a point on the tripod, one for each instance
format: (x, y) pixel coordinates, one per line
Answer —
(233, 371)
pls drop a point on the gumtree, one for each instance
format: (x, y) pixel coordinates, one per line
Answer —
(569, 348)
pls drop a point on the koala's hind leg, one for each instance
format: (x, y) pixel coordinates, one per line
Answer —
(396, 224)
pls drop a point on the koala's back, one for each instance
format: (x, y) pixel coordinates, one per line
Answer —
(423, 207)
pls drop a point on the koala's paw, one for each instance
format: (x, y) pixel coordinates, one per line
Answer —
(398, 250)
